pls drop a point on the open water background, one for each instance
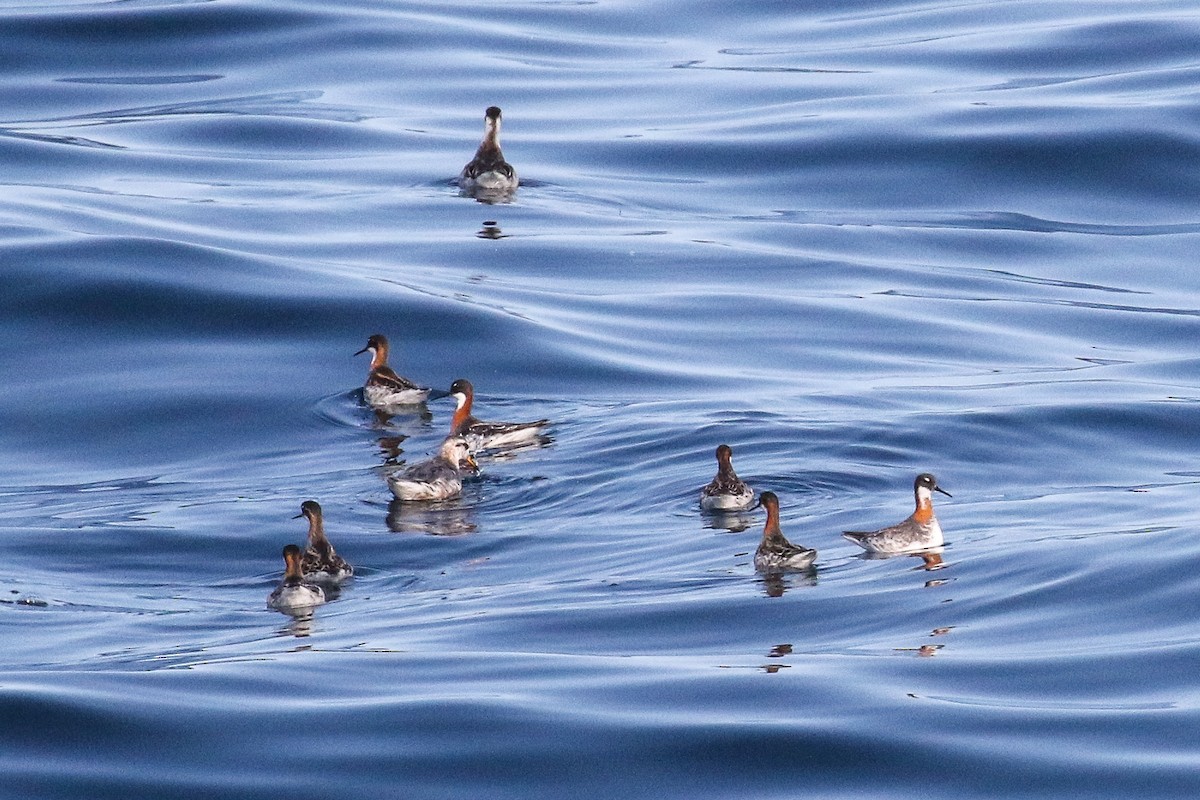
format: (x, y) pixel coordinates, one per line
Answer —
(855, 240)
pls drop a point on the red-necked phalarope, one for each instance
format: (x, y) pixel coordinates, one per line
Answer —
(384, 388)
(921, 531)
(726, 492)
(321, 562)
(439, 478)
(775, 553)
(293, 593)
(484, 435)
(488, 170)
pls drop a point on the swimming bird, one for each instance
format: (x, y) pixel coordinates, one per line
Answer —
(439, 478)
(482, 435)
(488, 170)
(384, 388)
(775, 553)
(293, 593)
(726, 492)
(920, 531)
(321, 563)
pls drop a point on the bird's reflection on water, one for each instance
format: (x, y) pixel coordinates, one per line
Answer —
(776, 583)
(400, 414)
(732, 521)
(491, 230)
(300, 625)
(433, 518)
(928, 650)
(390, 449)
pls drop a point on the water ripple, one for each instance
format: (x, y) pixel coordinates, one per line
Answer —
(855, 242)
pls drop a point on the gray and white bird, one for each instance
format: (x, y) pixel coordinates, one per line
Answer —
(920, 531)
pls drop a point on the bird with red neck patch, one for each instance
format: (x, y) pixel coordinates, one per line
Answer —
(294, 593)
(385, 389)
(775, 553)
(920, 531)
(488, 171)
(489, 435)
(321, 563)
(726, 492)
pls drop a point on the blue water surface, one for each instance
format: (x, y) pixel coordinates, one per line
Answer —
(854, 240)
